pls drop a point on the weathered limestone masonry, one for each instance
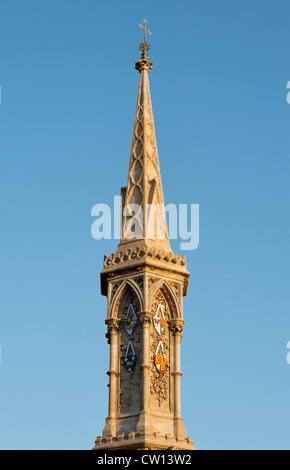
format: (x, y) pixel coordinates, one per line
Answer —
(145, 284)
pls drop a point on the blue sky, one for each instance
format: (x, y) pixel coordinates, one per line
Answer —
(69, 93)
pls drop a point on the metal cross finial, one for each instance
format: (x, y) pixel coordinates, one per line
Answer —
(145, 30)
(144, 62)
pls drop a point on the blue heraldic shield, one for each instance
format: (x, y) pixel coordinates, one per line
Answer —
(130, 360)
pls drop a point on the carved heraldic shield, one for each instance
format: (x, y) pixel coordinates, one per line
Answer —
(160, 361)
(131, 321)
(159, 322)
(130, 359)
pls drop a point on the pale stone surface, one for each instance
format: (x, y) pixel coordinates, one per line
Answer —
(144, 181)
(144, 406)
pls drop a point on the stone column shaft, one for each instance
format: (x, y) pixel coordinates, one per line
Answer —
(176, 327)
(113, 335)
(146, 365)
(145, 319)
(113, 372)
(177, 374)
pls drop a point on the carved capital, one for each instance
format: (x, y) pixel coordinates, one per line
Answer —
(144, 64)
(113, 325)
(145, 318)
(176, 326)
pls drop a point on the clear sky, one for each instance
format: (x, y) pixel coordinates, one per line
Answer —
(69, 92)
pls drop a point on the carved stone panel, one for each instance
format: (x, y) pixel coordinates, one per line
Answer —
(177, 289)
(130, 389)
(115, 287)
(151, 282)
(159, 387)
(140, 282)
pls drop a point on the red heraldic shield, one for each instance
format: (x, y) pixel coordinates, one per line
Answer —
(159, 322)
(160, 362)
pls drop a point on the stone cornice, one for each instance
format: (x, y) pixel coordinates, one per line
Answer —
(144, 253)
(137, 260)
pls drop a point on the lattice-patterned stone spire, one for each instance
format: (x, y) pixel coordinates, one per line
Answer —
(144, 187)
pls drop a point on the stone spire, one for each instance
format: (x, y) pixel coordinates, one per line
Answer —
(145, 224)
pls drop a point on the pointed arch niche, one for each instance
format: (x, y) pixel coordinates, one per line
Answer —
(162, 293)
(128, 293)
(128, 297)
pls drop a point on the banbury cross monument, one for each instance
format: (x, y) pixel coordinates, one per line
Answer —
(145, 284)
